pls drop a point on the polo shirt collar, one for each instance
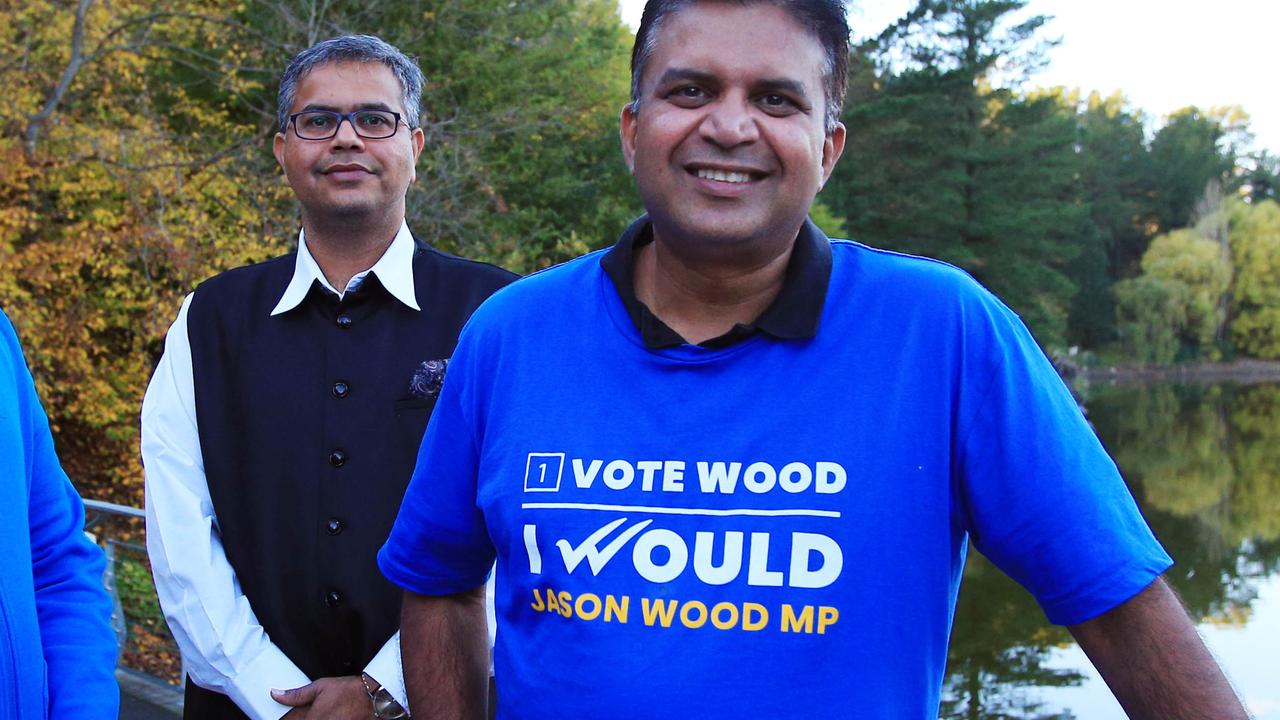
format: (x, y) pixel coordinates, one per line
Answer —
(793, 315)
(394, 270)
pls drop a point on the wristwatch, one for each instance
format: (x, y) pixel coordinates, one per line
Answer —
(385, 707)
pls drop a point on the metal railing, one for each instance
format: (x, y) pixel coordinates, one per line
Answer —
(119, 530)
(96, 513)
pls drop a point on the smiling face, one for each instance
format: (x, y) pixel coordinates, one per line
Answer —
(727, 145)
(348, 176)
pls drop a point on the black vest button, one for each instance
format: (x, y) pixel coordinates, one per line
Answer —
(338, 458)
(333, 598)
(344, 321)
(340, 389)
(334, 526)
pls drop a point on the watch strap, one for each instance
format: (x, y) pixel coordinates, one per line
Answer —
(385, 706)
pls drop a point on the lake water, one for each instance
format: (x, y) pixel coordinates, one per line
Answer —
(1204, 465)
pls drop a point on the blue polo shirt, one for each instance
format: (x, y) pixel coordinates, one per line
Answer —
(772, 527)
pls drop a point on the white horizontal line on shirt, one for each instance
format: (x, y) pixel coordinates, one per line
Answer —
(682, 511)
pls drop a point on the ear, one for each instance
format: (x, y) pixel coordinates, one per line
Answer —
(277, 148)
(418, 139)
(832, 147)
(627, 132)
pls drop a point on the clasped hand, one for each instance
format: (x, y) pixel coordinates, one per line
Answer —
(331, 698)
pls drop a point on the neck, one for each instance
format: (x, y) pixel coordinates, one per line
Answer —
(344, 248)
(703, 298)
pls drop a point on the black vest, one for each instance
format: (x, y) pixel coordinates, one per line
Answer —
(309, 434)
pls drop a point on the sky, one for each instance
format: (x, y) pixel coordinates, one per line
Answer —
(1162, 54)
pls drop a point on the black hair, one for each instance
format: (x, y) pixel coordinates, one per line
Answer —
(825, 20)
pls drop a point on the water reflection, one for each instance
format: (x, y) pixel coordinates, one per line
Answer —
(1204, 465)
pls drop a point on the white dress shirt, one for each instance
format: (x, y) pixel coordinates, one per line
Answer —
(223, 645)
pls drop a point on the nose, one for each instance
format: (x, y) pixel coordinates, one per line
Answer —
(729, 123)
(346, 135)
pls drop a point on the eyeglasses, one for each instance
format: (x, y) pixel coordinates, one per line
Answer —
(324, 124)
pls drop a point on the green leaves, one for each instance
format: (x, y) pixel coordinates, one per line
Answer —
(153, 170)
(939, 162)
(1048, 198)
(1194, 287)
(1255, 252)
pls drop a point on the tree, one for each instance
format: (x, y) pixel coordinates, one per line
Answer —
(1260, 178)
(1255, 250)
(108, 215)
(1027, 215)
(1116, 187)
(1192, 149)
(1151, 317)
(136, 164)
(943, 162)
(1175, 304)
(525, 98)
(898, 183)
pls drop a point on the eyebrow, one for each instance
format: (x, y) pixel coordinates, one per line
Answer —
(786, 85)
(678, 74)
(361, 106)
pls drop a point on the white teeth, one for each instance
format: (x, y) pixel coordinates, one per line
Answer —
(723, 176)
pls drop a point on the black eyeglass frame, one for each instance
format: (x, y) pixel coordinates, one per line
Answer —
(350, 117)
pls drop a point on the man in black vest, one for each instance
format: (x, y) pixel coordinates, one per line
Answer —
(282, 424)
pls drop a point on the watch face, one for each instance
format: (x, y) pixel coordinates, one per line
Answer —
(385, 706)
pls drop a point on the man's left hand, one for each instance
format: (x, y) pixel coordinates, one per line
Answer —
(341, 698)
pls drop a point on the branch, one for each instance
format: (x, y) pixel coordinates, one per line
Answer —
(68, 75)
(192, 166)
(145, 22)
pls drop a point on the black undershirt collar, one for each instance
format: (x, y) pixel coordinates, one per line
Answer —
(793, 314)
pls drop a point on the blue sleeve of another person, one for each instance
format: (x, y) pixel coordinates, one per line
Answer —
(55, 573)
(439, 544)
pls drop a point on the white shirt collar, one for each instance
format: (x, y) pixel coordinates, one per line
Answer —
(394, 270)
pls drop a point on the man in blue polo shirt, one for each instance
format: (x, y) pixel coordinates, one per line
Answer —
(730, 468)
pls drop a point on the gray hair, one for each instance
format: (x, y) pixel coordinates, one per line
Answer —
(352, 48)
(825, 20)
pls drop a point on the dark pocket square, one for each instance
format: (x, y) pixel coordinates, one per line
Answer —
(428, 378)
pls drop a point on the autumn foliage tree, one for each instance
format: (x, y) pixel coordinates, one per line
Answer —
(107, 214)
(134, 162)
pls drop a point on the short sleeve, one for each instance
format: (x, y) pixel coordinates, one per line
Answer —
(439, 544)
(1043, 499)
